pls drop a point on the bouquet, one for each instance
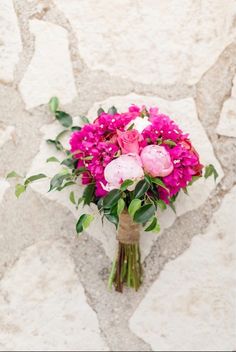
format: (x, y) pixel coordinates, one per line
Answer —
(130, 164)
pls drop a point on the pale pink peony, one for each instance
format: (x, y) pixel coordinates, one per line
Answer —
(125, 167)
(156, 161)
(129, 141)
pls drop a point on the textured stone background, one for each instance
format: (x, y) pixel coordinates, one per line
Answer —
(177, 54)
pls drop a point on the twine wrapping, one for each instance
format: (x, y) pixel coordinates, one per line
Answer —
(128, 232)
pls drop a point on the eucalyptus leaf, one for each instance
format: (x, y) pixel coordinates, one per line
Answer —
(144, 213)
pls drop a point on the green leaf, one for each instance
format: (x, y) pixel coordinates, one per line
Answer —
(194, 179)
(64, 118)
(69, 162)
(210, 170)
(66, 184)
(100, 111)
(12, 174)
(169, 142)
(34, 178)
(130, 127)
(152, 225)
(160, 183)
(75, 128)
(61, 134)
(111, 198)
(161, 204)
(88, 193)
(172, 206)
(53, 159)
(134, 206)
(159, 141)
(185, 190)
(56, 143)
(19, 190)
(141, 188)
(87, 221)
(72, 197)
(80, 200)
(85, 119)
(53, 104)
(113, 219)
(112, 110)
(126, 184)
(144, 213)
(79, 225)
(120, 206)
(57, 180)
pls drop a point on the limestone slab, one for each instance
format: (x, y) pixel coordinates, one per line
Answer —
(191, 306)
(6, 133)
(10, 41)
(158, 42)
(184, 113)
(227, 122)
(50, 70)
(43, 304)
(4, 185)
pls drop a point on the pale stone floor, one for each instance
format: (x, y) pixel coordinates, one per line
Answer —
(179, 55)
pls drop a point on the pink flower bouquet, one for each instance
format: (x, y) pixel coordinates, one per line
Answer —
(131, 164)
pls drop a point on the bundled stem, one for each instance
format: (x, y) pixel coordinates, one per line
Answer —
(126, 268)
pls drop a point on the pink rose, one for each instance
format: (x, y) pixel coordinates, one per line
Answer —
(125, 167)
(129, 141)
(156, 161)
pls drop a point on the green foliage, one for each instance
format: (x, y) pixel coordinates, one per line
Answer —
(141, 188)
(53, 104)
(100, 111)
(52, 159)
(169, 142)
(153, 226)
(111, 198)
(64, 118)
(85, 119)
(134, 206)
(130, 127)
(83, 222)
(88, 193)
(19, 190)
(72, 197)
(161, 204)
(126, 184)
(210, 170)
(34, 178)
(144, 213)
(120, 206)
(13, 174)
(112, 110)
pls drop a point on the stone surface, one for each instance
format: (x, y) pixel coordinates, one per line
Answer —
(157, 42)
(191, 306)
(184, 113)
(6, 133)
(4, 185)
(43, 305)
(50, 70)
(227, 122)
(10, 41)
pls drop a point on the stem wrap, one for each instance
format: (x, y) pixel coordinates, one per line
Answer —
(128, 232)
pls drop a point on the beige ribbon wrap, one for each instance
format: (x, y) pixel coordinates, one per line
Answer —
(128, 231)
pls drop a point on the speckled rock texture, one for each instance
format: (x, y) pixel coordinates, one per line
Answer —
(178, 55)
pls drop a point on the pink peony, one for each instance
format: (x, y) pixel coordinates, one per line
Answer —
(125, 167)
(129, 141)
(156, 161)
